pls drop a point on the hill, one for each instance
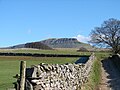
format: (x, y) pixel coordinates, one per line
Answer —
(65, 43)
(54, 43)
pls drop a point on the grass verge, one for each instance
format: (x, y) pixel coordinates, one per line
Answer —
(95, 75)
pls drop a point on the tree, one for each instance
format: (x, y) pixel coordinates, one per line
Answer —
(107, 35)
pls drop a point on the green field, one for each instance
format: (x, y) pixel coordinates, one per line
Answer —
(9, 67)
(56, 51)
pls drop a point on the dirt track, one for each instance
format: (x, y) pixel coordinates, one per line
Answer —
(110, 76)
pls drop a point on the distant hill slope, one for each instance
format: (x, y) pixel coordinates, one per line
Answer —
(65, 43)
(15, 46)
(36, 45)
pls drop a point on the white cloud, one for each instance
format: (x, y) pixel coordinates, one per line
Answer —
(82, 38)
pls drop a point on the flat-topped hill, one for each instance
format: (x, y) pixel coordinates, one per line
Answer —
(65, 43)
(53, 43)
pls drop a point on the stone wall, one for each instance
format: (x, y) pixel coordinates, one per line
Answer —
(116, 60)
(39, 55)
(58, 77)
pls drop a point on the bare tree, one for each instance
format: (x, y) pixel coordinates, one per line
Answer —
(107, 35)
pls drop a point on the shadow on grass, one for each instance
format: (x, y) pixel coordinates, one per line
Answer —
(82, 60)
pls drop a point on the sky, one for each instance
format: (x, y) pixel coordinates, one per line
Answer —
(24, 21)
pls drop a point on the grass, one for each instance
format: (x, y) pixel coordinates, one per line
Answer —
(94, 78)
(9, 67)
(96, 74)
(56, 51)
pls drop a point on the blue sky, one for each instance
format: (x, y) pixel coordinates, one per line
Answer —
(24, 21)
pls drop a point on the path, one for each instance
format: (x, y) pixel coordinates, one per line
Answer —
(110, 76)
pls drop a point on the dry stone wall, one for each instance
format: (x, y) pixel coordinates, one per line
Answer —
(116, 60)
(58, 77)
(37, 54)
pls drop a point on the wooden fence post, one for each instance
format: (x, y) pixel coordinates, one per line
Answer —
(22, 75)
